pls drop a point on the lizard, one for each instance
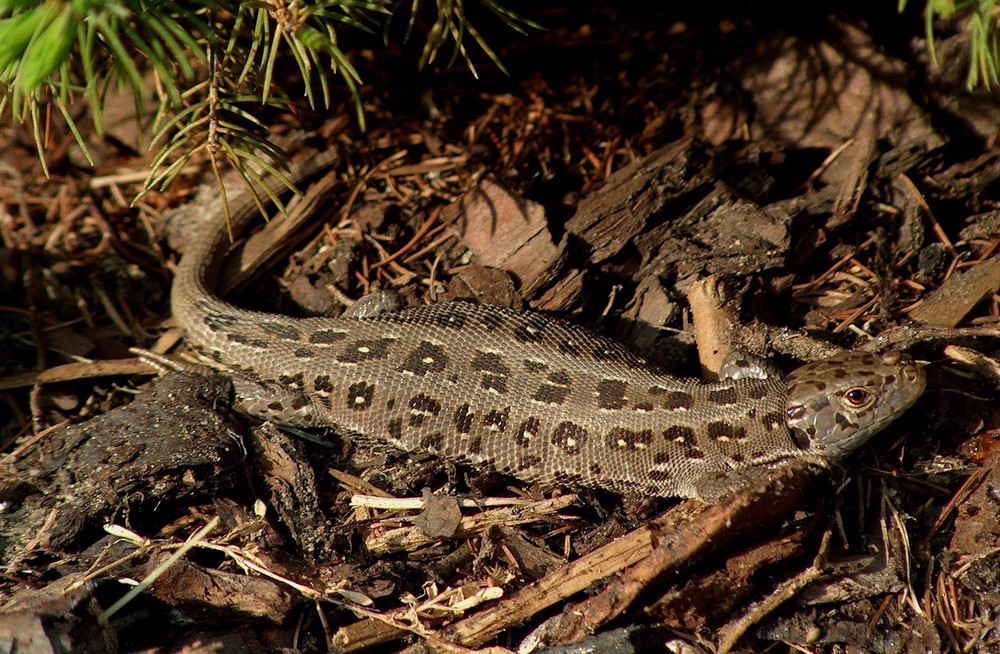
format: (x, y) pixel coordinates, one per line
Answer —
(533, 396)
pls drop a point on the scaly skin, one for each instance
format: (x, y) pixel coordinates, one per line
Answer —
(533, 396)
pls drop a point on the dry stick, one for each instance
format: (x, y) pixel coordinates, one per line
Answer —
(682, 540)
(682, 545)
(413, 241)
(715, 320)
(935, 225)
(732, 632)
(364, 181)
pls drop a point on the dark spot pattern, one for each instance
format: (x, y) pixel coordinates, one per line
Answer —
(723, 396)
(570, 347)
(555, 391)
(491, 321)
(564, 478)
(463, 419)
(299, 402)
(680, 434)
(304, 353)
(721, 430)
(842, 421)
(660, 475)
(326, 336)
(276, 406)
(529, 461)
(569, 436)
(644, 407)
(799, 437)
(757, 392)
(796, 412)
(421, 407)
(684, 437)
(281, 330)
(772, 420)
(661, 458)
(611, 393)
(495, 372)
(449, 319)
(606, 352)
(621, 438)
(295, 381)
(359, 395)
(366, 349)
(433, 442)
(678, 401)
(548, 394)
(396, 429)
(595, 469)
(532, 329)
(535, 366)
(427, 357)
(528, 430)
(322, 384)
(497, 420)
(218, 322)
(476, 444)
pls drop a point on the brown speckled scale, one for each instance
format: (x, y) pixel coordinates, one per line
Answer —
(535, 397)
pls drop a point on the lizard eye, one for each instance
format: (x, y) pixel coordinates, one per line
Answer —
(857, 397)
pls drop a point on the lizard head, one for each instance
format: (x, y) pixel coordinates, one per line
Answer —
(835, 405)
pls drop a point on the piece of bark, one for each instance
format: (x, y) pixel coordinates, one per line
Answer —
(668, 545)
(716, 597)
(722, 234)
(170, 442)
(679, 545)
(485, 285)
(634, 196)
(948, 304)
(506, 231)
(440, 517)
(55, 624)
(977, 532)
(282, 465)
(217, 595)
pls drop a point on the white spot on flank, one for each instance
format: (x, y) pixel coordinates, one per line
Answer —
(427, 361)
(364, 349)
(570, 442)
